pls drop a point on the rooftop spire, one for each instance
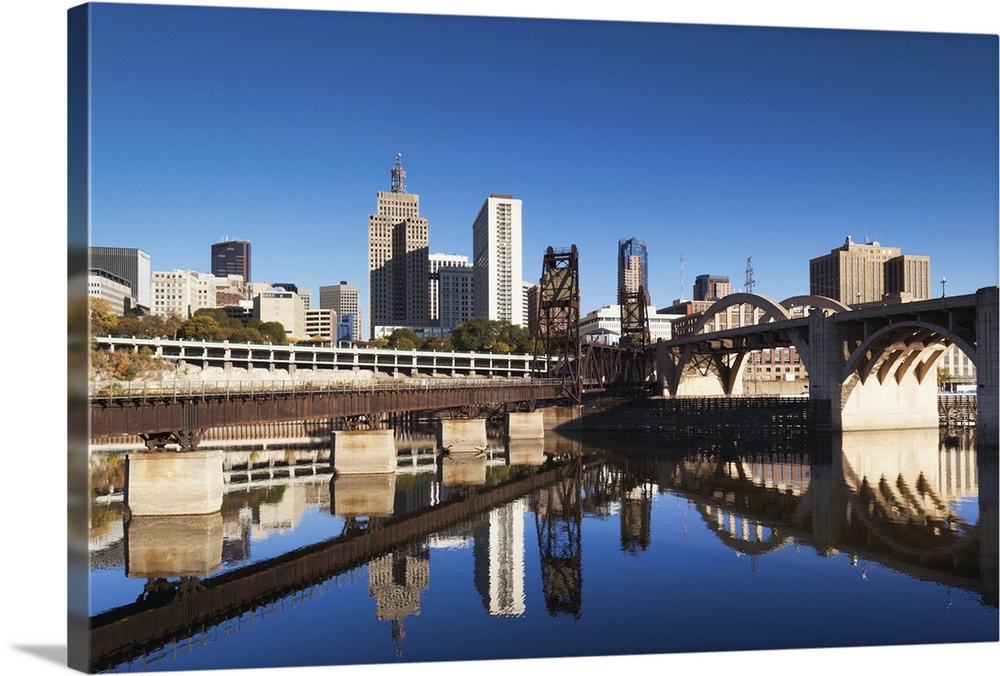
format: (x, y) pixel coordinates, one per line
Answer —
(398, 174)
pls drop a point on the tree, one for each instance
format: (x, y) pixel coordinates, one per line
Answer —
(274, 332)
(435, 343)
(404, 339)
(943, 376)
(102, 320)
(203, 327)
(497, 335)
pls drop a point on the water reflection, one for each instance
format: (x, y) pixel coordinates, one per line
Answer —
(908, 502)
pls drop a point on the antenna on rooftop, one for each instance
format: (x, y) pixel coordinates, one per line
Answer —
(398, 174)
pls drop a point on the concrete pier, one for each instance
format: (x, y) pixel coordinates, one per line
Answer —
(526, 425)
(363, 452)
(462, 436)
(172, 483)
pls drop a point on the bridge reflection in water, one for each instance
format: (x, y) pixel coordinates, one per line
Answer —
(892, 500)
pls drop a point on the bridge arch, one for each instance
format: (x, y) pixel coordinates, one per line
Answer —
(821, 302)
(772, 310)
(899, 349)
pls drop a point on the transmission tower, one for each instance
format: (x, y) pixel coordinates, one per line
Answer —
(749, 282)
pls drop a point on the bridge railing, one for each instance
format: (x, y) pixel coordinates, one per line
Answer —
(106, 390)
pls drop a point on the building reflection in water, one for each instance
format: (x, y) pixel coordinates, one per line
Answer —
(900, 499)
(499, 559)
(395, 581)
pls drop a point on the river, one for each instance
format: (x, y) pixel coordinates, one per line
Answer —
(581, 545)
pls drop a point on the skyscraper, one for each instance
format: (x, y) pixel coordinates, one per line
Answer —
(496, 260)
(398, 275)
(633, 270)
(343, 299)
(231, 258)
(133, 265)
(708, 287)
(865, 273)
(436, 261)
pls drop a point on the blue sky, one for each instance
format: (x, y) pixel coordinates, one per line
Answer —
(861, 178)
(713, 143)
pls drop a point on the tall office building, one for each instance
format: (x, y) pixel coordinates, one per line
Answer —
(496, 260)
(231, 258)
(633, 270)
(908, 277)
(455, 290)
(866, 273)
(398, 275)
(708, 287)
(343, 299)
(132, 265)
(435, 262)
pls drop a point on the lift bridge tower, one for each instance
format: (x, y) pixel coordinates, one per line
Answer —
(557, 345)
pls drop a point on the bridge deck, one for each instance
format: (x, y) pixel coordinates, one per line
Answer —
(152, 411)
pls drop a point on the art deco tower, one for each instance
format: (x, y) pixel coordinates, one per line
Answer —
(397, 258)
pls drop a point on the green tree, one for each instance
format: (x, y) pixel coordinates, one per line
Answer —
(404, 339)
(480, 334)
(203, 327)
(943, 376)
(274, 332)
(438, 344)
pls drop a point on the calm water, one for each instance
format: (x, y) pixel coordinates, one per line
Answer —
(604, 545)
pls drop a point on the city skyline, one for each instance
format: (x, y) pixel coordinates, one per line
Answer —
(715, 143)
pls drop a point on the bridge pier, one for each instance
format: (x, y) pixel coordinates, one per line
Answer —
(987, 361)
(525, 425)
(462, 436)
(363, 452)
(170, 484)
(890, 406)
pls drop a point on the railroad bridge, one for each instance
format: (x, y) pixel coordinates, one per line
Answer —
(163, 416)
(875, 364)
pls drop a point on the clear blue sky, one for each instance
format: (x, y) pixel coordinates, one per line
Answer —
(876, 153)
(712, 143)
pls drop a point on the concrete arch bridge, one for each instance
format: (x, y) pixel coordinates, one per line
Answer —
(875, 365)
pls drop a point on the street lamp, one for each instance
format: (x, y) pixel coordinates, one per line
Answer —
(943, 282)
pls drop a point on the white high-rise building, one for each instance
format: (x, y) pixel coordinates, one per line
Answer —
(496, 260)
(285, 307)
(181, 292)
